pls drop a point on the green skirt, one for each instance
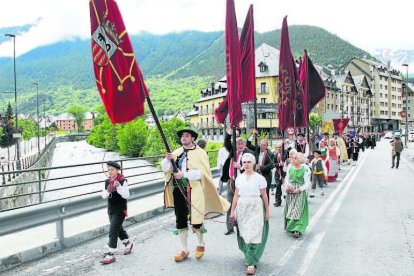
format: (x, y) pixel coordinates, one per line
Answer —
(252, 251)
(300, 224)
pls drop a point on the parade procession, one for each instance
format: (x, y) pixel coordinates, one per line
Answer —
(290, 162)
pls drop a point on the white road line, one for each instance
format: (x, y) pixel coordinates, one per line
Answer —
(289, 253)
(311, 252)
(317, 240)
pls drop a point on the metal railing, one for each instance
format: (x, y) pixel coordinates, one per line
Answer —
(74, 187)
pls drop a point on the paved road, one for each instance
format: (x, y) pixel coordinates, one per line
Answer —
(363, 226)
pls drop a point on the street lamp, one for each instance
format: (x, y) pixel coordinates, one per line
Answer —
(15, 100)
(406, 103)
(44, 120)
(38, 123)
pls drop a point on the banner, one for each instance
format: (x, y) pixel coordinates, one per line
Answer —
(312, 84)
(327, 126)
(289, 100)
(118, 78)
(340, 125)
(248, 81)
(233, 68)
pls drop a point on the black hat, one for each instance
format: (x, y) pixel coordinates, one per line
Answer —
(113, 164)
(326, 134)
(192, 132)
(301, 134)
(317, 151)
(336, 134)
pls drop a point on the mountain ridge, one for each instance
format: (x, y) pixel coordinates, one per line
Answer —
(66, 67)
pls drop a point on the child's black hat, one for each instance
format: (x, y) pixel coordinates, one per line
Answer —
(113, 164)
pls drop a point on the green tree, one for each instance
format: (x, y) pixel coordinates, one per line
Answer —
(9, 111)
(154, 144)
(28, 128)
(78, 112)
(132, 138)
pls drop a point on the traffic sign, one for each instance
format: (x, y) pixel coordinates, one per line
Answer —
(290, 130)
(17, 135)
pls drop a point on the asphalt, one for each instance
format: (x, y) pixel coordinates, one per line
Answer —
(330, 246)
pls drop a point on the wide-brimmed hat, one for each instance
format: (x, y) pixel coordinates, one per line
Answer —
(113, 164)
(192, 132)
(317, 151)
(301, 134)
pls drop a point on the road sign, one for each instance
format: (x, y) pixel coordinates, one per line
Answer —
(17, 135)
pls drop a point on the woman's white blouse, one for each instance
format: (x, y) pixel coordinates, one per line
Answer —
(251, 187)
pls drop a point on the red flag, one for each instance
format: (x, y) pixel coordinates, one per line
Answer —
(289, 99)
(118, 77)
(233, 68)
(221, 111)
(340, 124)
(248, 82)
(312, 83)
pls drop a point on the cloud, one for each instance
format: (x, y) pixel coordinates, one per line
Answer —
(362, 23)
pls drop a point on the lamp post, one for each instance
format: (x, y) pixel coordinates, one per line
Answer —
(38, 123)
(406, 103)
(44, 120)
(15, 100)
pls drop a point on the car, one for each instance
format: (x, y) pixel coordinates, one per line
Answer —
(388, 135)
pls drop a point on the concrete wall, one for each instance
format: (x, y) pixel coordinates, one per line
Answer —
(31, 178)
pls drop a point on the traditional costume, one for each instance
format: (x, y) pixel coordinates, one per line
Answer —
(117, 211)
(252, 226)
(333, 152)
(318, 171)
(342, 148)
(196, 191)
(296, 208)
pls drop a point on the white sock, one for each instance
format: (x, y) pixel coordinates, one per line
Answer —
(183, 234)
(200, 237)
(125, 242)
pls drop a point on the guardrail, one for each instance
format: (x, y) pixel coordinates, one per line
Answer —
(61, 206)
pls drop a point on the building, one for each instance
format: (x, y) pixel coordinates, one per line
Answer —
(67, 122)
(347, 96)
(410, 104)
(386, 87)
(202, 117)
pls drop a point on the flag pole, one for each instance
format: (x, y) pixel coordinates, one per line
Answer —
(163, 139)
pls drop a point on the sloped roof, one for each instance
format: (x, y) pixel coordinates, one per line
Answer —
(269, 56)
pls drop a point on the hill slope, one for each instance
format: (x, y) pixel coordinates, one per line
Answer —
(64, 70)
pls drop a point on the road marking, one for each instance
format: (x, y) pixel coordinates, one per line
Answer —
(311, 252)
(289, 253)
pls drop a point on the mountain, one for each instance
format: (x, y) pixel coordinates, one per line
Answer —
(186, 61)
(396, 58)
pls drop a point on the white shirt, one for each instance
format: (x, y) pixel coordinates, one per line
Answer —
(307, 176)
(122, 190)
(190, 174)
(251, 187)
(223, 154)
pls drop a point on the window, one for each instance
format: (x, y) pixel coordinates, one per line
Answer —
(263, 100)
(386, 87)
(263, 87)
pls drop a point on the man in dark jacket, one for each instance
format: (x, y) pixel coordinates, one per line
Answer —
(264, 161)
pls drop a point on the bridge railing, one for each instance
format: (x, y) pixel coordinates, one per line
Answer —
(79, 197)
